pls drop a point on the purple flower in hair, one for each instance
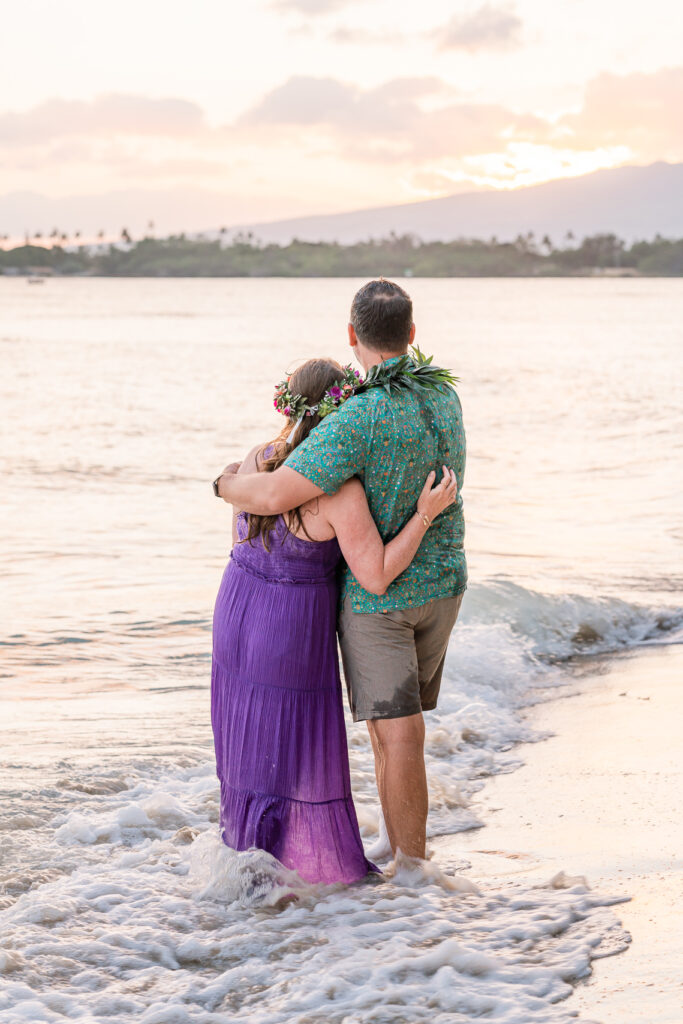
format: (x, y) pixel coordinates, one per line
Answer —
(335, 391)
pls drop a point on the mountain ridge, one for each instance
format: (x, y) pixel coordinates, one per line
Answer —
(633, 202)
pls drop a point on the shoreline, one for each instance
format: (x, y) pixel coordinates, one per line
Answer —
(35, 274)
(595, 800)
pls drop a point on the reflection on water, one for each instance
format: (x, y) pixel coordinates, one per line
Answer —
(121, 400)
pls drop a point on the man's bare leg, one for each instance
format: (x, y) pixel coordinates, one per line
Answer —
(398, 745)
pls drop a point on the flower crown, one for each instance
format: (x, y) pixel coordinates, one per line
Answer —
(296, 406)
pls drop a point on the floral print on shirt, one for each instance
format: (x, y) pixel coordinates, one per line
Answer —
(392, 442)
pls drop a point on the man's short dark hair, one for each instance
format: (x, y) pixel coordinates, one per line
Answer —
(382, 315)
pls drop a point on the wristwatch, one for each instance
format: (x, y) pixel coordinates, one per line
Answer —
(215, 486)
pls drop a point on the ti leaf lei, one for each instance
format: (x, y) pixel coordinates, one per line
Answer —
(412, 372)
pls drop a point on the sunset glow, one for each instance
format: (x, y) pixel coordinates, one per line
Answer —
(288, 107)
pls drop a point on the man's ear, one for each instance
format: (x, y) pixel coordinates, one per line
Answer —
(412, 334)
(353, 340)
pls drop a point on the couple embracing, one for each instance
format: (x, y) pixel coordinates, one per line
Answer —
(350, 521)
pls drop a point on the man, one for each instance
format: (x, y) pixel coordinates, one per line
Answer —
(393, 645)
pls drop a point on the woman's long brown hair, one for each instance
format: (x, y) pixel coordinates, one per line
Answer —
(311, 380)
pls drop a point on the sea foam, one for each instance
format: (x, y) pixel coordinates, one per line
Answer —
(136, 911)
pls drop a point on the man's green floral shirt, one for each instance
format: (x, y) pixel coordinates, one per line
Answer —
(392, 442)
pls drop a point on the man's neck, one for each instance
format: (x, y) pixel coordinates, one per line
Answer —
(372, 358)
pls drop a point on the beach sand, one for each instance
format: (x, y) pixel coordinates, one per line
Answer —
(601, 798)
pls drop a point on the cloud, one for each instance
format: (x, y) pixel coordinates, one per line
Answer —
(487, 28)
(431, 183)
(322, 135)
(639, 110)
(303, 99)
(311, 6)
(307, 100)
(361, 36)
(105, 116)
(403, 119)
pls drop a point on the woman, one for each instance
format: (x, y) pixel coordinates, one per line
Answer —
(276, 704)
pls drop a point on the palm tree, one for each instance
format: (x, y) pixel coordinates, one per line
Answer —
(125, 235)
(150, 228)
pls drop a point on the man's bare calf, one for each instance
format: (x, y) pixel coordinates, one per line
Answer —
(398, 745)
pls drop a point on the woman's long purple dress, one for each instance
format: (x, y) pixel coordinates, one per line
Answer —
(276, 708)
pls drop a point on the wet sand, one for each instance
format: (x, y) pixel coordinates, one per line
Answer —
(602, 798)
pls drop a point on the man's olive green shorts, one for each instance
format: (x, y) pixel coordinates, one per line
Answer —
(393, 661)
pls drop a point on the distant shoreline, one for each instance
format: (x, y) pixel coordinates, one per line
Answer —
(603, 255)
(34, 275)
(40, 273)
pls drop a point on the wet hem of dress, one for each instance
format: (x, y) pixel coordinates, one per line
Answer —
(372, 869)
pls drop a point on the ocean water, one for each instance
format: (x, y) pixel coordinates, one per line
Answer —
(120, 401)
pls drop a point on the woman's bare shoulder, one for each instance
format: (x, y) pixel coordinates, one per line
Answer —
(320, 513)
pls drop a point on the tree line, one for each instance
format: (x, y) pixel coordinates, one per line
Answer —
(396, 255)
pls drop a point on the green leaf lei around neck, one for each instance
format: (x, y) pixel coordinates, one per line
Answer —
(412, 372)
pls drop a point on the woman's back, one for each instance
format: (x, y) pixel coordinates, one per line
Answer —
(290, 558)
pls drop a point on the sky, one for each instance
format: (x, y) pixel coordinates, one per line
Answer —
(214, 113)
